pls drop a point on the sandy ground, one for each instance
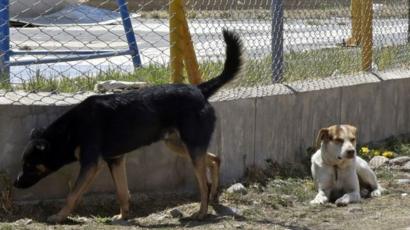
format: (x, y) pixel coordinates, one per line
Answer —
(274, 204)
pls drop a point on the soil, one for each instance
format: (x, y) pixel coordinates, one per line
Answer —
(275, 204)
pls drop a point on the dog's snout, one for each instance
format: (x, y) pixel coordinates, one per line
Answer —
(350, 153)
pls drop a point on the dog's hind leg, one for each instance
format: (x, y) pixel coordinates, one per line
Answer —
(213, 162)
(85, 178)
(119, 176)
(199, 162)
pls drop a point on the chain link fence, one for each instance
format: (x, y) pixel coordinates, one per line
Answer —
(314, 41)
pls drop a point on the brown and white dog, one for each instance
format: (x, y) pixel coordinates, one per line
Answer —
(339, 174)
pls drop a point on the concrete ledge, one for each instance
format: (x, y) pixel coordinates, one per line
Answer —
(275, 122)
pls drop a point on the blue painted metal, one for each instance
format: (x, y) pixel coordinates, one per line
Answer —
(71, 58)
(129, 32)
(4, 40)
(277, 40)
(60, 52)
(68, 55)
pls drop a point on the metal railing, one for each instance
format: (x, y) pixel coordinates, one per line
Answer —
(69, 55)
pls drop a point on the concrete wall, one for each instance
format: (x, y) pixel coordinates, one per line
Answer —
(254, 124)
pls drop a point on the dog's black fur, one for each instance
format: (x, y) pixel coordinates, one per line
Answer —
(108, 126)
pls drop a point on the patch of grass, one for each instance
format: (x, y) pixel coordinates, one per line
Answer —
(313, 64)
(102, 220)
(5, 193)
(399, 146)
(6, 227)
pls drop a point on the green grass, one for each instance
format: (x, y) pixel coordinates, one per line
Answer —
(313, 64)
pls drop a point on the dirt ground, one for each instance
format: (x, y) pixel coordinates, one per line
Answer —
(274, 204)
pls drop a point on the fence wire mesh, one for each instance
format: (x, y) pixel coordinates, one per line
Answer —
(315, 40)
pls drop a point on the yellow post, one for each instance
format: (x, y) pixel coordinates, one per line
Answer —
(356, 22)
(191, 64)
(176, 54)
(181, 45)
(367, 34)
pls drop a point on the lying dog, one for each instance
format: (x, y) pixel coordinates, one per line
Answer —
(339, 174)
(105, 127)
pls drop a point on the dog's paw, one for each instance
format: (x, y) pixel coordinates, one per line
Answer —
(198, 216)
(119, 217)
(318, 201)
(376, 193)
(341, 202)
(55, 219)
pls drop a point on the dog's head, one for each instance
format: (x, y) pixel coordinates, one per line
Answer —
(35, 161)
(338, 142)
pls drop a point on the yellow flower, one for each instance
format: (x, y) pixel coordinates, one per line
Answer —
(364, 150)
(388, 154)
(376, 153)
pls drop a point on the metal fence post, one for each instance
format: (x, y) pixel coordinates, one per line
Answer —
(129, 32)
(277, 40)
(408, 21)
(367, 34)
(4, 40)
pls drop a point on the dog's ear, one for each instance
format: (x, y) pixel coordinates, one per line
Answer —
(322, 135)
(36, 133)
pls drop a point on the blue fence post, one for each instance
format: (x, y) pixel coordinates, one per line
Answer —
(277, 40)
(4, 40)
(129, 32)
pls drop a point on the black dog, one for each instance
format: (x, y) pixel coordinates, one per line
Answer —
(105, 127)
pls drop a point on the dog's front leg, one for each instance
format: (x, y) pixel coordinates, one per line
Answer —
(119, 176)
(347, 198)
(83, 182)
(321, 197)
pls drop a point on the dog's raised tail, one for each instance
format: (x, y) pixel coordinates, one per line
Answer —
(232, 66)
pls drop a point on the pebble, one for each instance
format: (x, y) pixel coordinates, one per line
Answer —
(403, 181)
(176, 213)
(378, 161)
(237, 188)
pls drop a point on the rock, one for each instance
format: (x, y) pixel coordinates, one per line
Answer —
(404, 194)
(24, 221)
(405, 167)
(378, 161)
(399, 160)
(116, 86)
(237, 188)
(176, 213)
(403, 181)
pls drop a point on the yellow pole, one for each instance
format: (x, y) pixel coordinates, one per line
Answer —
(367, 34)
(181, 45)
(191, 64)
(176, 54)
(356, 10)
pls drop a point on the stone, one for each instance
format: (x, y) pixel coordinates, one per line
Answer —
(176, 213)
(237, 188)
(378, 161)
(399, 160)
(24, 221)
(405, 167)
(115, 86)
(403, 181)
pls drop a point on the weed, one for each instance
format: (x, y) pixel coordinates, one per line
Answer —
(5, 193)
